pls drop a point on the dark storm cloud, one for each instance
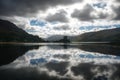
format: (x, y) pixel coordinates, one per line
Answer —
(117, 0)
(63, 27)
(102, 15)
(83, 14)
(117, 12)
(23, 7)
(116, 9)
(57, 17)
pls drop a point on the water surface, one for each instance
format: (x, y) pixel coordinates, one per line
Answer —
(59, 62)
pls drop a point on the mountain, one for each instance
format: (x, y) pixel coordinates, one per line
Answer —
(110, 35)
(9, 32)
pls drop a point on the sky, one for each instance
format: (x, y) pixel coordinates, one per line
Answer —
(61, 17)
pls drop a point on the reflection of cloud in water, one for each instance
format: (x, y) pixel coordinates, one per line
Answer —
(46, 54)
(66, 64)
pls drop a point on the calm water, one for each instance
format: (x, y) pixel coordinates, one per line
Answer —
(59, 62)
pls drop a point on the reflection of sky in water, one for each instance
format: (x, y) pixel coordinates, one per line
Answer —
(69, 63)
(45, 54)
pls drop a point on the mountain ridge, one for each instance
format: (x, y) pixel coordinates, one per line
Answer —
(109, 35)
(9, 32)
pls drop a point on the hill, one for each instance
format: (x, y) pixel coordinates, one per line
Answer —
(9, 32)
(110, 35)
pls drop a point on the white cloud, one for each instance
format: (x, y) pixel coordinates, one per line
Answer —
(58, 19)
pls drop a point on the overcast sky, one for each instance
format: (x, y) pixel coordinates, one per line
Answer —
(69, 17)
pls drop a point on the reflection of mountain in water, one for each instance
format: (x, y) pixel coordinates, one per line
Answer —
(56, 63)
(10, 52)
(104, 49)
(99, 48)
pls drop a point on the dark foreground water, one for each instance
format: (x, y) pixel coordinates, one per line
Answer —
(59, 62)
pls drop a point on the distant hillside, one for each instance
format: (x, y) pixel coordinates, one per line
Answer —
(58, 38)
(9, 32)
(111, 35)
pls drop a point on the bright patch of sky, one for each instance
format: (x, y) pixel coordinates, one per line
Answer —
(37, 23)
(100, 5)
(88, 28)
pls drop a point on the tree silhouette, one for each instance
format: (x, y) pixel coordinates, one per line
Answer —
(65, 39)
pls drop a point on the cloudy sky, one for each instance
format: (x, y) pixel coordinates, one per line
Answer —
(68, 17)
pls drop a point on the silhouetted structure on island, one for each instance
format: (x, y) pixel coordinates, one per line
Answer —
(64, 40)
